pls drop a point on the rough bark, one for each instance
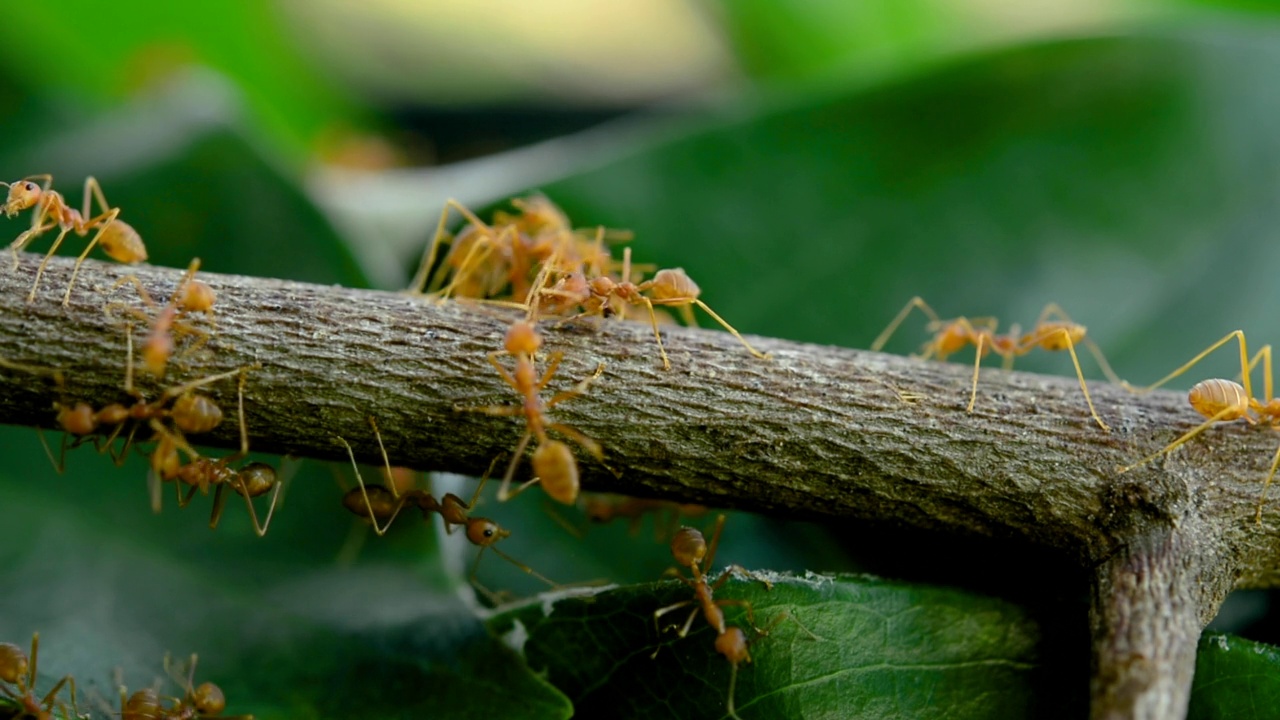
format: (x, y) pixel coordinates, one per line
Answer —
(814, 431)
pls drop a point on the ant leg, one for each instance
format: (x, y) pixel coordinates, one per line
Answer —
(1262, 500)
(483, 479)
(60, 463)
(657, 615)
(977, 365)
(504, 493)
(417, 286)
(1263, 354)
(31, 297)
(39, 226)
(553, 364)
(1180, 441)
(260, 530)
(1035, 340)
(1096, 351)
(715, 541)
(727, 326)
(587, 443)
(915, 302)
(386, 462)
(1244, 365)
(506, 375)
(513, 561)
(653, 320)
(373, 519)
(733, 682)
(577, 390)
(106, 219)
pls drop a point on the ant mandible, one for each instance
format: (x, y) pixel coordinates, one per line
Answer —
(118, 239)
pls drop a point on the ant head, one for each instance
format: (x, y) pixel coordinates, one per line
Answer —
(484, 532)
(538, 213)
(673, 283)
(553, 461)
(77, 420)
(602, 285)
(13, 664)
(688, 546)
(732, 644)
(208, 699)
(22, 195)
(522, 338)
(258, 478)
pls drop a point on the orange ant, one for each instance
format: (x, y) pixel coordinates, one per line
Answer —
(118, 239)
(470, 247)
(380, 503)
(670, 287)
(1221, 400)
(189, 295)
(191, 412)
(603, 508)
(553, 463)
(251, 481)
(1051, 335)
(18, 682)
(690, 550)
(205, 700)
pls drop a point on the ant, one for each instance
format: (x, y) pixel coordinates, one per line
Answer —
(470, 247)
(118, 239)
(670, 287)
(251, 481)
(690, 550)
(1047, 334)
(191, 412)
(380, 503)
(205, 700)
(1220, 400)
(18, 682)
(603, 508)
(189, 295)
(553, 463)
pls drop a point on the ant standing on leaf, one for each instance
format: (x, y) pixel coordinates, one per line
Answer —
(1048, 334)
(18, 683)
(118, 239)
(382, 504)
(205, 700)
(690, 550)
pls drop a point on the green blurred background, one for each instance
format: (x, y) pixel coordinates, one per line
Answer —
(812, 165)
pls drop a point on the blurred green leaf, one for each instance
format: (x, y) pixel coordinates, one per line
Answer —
(780, 40)
(108, 52)
(1235, 678)
(1124, 178)
(885, 649)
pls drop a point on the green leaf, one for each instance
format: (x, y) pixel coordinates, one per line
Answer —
(884, 649)
(1235, 678)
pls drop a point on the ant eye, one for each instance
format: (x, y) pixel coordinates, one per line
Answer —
(31, 187)
(488, 532)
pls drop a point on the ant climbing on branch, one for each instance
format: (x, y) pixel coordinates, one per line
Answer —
(189, 296)
(118, 239)
(553, 463)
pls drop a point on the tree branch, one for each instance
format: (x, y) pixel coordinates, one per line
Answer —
(816, 431)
